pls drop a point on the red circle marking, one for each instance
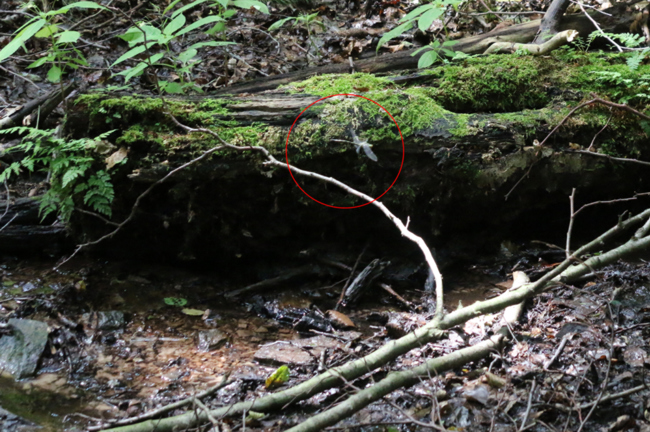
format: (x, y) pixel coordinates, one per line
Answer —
(286, 150)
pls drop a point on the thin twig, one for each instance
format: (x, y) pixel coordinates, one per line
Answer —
(162, 410)
(603, 128)
(602, 33)
(571, 219)
(558, 351)
(612, 158)
(20, 76)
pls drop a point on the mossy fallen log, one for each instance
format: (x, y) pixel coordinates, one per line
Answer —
(469, 132)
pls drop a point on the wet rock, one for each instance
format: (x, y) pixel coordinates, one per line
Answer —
(339, 320)
(297, 352)
(12, 423)
(211, 339)
(21, 350)
(109, 320)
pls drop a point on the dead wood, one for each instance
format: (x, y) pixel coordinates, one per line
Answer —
(619, 20)
(44, 106)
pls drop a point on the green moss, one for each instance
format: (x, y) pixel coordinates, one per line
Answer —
(327, 85)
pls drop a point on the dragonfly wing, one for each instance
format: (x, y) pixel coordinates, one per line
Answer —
(371, 155)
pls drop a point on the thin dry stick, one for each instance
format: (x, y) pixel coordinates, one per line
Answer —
(598, 133)
(571, 219)
(602, 33)
(162, 410)
(595, 99)
(612, 158)
(558, 351)
(20, 76)
(530, 403)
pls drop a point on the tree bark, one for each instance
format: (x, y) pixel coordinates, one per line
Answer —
(551, 22)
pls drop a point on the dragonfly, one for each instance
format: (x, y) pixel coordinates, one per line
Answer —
(360, 145)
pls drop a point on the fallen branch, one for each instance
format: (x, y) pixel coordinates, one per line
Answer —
(554, 43)
(395, 381)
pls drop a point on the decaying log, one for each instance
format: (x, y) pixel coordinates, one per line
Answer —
(363, 281)
(618, 20)
(44, 104)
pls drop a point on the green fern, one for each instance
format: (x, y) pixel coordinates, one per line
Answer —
(70, 165)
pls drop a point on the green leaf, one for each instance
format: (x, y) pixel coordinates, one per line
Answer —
(223, 3)
(170, 7)
(130, 53)
(279, 377)
(47, 31)
(175, 301)
(186, 7)
(427, 59)
(42, 61)
(192, 312)
(176, 24)
(203, 21)
(218, 27)
(77, 5)
(229, 13)
(68, 37)
(173, 87)
(247, 4)
(417, 12)
(428, 17)
(397, 31)
(187, 55)
(276, 25)
(54, 74)
(23, 36)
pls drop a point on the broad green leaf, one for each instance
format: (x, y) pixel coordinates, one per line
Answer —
(41, 61)
(188, 6)
(218, 27)
(203, 21)
(130, 53)
(134, 71)
(192, 312)
(131, 34)
(276, 25)
(47, 31)
(175, 301)
(140, 67)
(77, 5)
(187, 55)
(247, 4)
(427, 59)
(229, 13)
(54, 74)
(223, 3)
(417, 51)
(279, 377)
(212, 44)
(68, 37)
(416, 12)
(428, 17)
(397, 31)
(176, 24)
(173, 87)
